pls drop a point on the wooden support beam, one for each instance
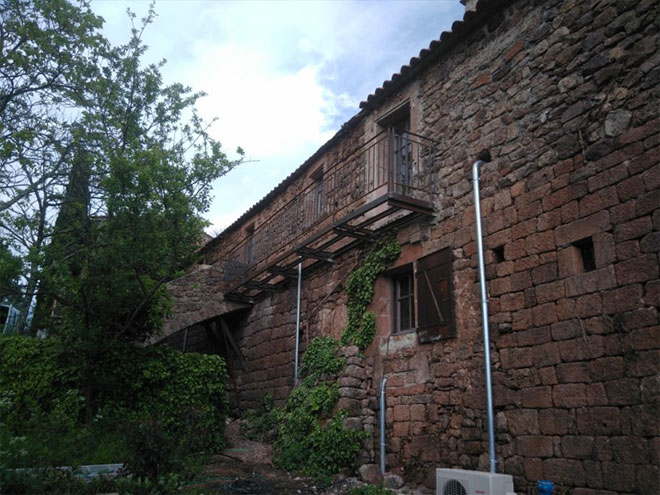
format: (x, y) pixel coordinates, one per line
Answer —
(355, 232)
(259, 286)
(239, 297)
(315, 253)
(285, 272)
(364, 216)
(229, 339)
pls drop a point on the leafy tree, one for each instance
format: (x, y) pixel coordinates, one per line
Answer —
(112, 196)
(10, 271)
(48, 52)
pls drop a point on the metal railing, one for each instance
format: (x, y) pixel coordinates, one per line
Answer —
(387, 163)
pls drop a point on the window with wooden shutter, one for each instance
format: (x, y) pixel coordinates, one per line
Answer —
(435, 308)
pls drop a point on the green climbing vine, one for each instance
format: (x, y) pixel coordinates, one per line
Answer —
(321, 360)
(310, 434)
(361, 326)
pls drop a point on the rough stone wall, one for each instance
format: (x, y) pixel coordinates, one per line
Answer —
(565, 97)
(267, 339)
(564, 94)
(197, 297)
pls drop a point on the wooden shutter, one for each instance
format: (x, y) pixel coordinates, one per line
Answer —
(435, 306)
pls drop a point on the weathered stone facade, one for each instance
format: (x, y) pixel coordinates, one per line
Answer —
(565, 96)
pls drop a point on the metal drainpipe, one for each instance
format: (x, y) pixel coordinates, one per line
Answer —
(484, 317)
(383, 384)
(295, 365)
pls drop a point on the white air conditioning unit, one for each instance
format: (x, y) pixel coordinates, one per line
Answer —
(462, 482)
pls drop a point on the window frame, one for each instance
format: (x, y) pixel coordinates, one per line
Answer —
(398, 122)
(395, 276)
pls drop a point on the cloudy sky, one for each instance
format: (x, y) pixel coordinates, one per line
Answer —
(281, 76)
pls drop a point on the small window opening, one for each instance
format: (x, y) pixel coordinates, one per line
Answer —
(498, 252)
(585, 249)
(404, 302)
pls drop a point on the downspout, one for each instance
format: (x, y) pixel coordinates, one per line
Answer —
(383, 384)
(492, 462)
(295, 365)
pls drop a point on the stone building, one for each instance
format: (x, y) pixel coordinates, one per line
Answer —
(563, 94)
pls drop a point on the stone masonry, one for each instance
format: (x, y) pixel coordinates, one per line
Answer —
(564, 94)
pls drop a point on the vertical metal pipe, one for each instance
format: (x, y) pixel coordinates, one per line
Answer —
(484, 317)
(295, 366)
(383, 384)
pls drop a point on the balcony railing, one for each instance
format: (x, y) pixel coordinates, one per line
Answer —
(387, 166)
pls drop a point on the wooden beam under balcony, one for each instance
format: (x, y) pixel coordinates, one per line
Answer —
(283, 271)
(354, 232)
(367, 188)
(259, 286)
(315, 253)
(359, 226)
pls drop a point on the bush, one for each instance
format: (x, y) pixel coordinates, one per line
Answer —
(184, 394)
(37, 378)
(260, 422)
(155, 407)
(310, 439)
(332, 447)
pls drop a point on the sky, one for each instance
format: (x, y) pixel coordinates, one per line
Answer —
(281, 76)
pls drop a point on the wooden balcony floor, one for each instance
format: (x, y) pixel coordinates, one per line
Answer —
(365, 224)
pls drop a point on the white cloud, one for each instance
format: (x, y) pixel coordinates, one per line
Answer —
(260, 107)
(281, 76)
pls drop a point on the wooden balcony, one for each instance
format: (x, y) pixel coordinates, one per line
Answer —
(383, 185)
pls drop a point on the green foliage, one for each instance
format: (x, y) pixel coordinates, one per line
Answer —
(260, 422)
(10, 271)
(361, 326)
(332, 447)
(37, 378)
(157, 407)
(106, 172)
(320, 359)
(371, 490)
(318, 400)
(185, 394)
(55, 481)
(308, 425)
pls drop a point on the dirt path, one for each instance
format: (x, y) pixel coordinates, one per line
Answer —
(245, 467)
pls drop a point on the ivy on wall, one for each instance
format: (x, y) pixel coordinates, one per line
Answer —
(310, 435)
(361, 326)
